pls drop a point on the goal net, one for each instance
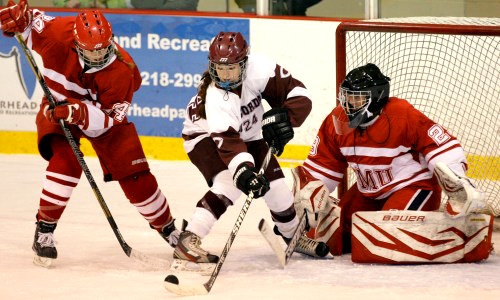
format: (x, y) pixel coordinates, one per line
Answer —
(448, 68)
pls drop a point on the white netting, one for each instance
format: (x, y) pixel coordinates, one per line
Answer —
(454, 79)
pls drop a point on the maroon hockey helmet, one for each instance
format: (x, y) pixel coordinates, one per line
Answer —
(93, 38)
(228, 53)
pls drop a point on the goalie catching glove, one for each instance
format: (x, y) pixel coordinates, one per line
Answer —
(323, 213)
(247, 179)
(461, 192)
(277, 129)
(72, 111)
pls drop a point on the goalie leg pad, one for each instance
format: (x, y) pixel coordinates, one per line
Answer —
(328, 229)
(403, 237)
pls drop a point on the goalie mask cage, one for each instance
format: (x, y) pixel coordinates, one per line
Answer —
(449, 69)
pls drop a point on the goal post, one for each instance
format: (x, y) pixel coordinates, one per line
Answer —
(448, 68)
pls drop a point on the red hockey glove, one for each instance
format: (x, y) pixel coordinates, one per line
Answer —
(15, 17)
(72, 111)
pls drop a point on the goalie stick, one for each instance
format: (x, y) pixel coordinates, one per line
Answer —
(154, 262)
(274, 240)
(172, 283)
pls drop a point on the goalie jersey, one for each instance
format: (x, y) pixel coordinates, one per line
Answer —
(400, 147)
(107, 91)
(235, 117)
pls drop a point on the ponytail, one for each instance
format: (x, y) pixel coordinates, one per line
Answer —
(120, 57)
(202, 93)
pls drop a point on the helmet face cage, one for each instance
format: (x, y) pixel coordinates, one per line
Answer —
(354, 101)
(96, 58)
(93, 38)
(363, 94)
(229, 80)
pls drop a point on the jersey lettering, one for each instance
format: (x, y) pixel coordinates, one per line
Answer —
(384, 176)
(372, 182)
(247, 109)
(192, 109)
(247, 124)
(438, 134)
(219, 141)
(39, 22)
(284, 73)
(120, 110)
(314, 147)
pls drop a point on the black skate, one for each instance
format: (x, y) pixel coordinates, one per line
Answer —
(44, 244)
(170, 234)
(189, 256)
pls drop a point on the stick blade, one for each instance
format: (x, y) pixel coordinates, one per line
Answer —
(185, 290)
(155, 263)
(273, 241)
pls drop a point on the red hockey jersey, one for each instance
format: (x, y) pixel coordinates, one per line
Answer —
(399, 148)
(107, 91)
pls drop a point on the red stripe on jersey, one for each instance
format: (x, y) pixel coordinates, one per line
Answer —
(322, 173)
(370, 160)
(59, 88)
(62, 181)
(445, 150)
(106, 121)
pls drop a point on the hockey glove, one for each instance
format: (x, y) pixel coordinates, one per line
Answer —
(15, 17)
(247, 179)
(277, 129)
(72, 111)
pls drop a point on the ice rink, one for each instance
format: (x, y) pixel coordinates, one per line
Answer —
(91, 264)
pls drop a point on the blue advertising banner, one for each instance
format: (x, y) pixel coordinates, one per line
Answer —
(171, 54)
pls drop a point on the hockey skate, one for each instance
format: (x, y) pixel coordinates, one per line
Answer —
(306, 245)
(44, 244)
(189, 256)
(170, 234)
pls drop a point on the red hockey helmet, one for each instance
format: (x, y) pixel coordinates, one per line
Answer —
(93, 38)
(228, 56)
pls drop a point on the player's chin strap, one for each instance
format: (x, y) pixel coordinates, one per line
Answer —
(462, 194)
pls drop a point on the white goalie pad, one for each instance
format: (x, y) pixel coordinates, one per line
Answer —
(402, 237)
(463, 198)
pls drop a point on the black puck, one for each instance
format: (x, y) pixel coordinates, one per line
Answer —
(172, 279)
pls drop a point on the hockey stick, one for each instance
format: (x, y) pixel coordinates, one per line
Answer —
(273, 240)
(153, 261)
(172, 282)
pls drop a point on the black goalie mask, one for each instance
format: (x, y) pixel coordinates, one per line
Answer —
(363, 94)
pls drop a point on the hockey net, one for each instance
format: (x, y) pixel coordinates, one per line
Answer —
(448, 68)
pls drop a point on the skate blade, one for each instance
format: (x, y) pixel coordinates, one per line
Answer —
(44, 262)
(180, 265)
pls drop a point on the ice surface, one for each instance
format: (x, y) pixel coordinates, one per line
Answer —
(91, 264)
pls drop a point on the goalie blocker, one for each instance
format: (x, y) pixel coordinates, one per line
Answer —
(392, 236)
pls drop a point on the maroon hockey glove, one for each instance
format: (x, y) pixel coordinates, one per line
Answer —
(15, 17)
(72, 111)
(247, 179)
